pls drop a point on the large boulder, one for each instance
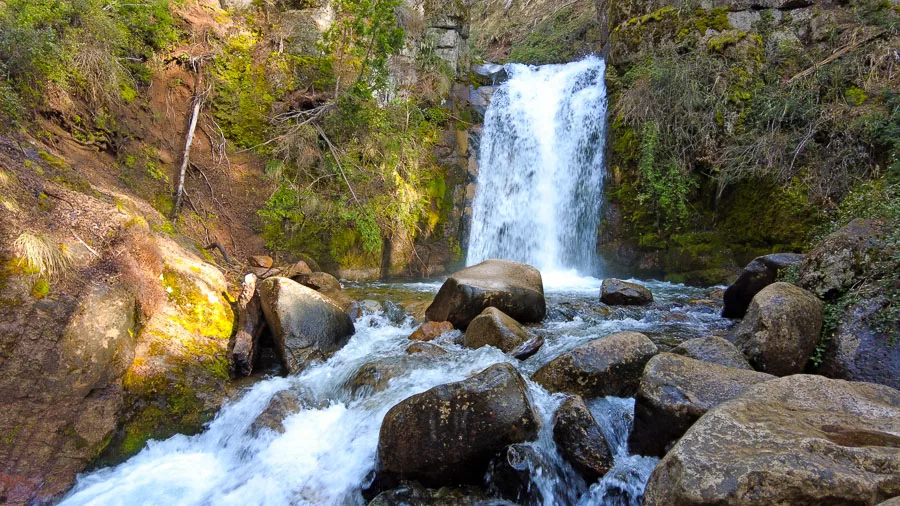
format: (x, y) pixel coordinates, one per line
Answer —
(327, 285)
(305, 324)
(580, 439)
(841, 258)
(675, 392)
(714, 350)
(494, 328)
(859, 350)
(760, 273)
(800, 440)
(616, 292)
(448, 434)
(780, 330)
(512, 287)
(611, 365)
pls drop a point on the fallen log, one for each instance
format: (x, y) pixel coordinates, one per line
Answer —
(250, 324)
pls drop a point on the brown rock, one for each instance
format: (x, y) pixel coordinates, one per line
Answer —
(427, 349)
(430, 331)
(580, 440)
(780, 330)
(494, 328)
(800, 440)
(760, 273)
(675, 391)
(611, 365)
(263, 261)
(448, 434)
(615, 292)
(512, 287)
(528, 349)
(327, 285)
(714, 350)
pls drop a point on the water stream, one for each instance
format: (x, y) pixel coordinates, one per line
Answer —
(538, 202)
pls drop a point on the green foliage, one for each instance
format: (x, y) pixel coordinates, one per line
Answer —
(664, 187)
(77, 45)
(558, 39)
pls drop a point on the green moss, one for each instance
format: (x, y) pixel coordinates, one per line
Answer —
(558, 39)
(204, 314)
(40, 288)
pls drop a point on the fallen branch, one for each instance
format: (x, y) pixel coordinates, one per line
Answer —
(86, 245)
(216, 245)
(199, 97)
(250, 326)
(338, 162)
(837, 54)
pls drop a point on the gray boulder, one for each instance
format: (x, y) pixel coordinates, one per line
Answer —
(714, 350)
(800, 440)
(494, 328)
(512, 287)
(488, 74)
(835, 264)
(615, 292)
(305, 324)
(760, 273)
(448, 434)
(675, 392)
(611, 365)
(780, 330)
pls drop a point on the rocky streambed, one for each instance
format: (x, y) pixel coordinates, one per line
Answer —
(532, 395)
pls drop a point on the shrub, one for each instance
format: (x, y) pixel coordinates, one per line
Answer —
(40, 254)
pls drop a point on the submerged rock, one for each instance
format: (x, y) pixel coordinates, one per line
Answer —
(429, 331)
(512, 287)
(800, 440)
(760, 273)
(615, 292)
(675, 392)
(715, 350)
(427, 349)
(580, 440)
(414, 494)
(282, 405)
(305, 324)
(611, 365)
(494, 328)
(510, 472)
(447, 434)
(374, 376)
(780, 330)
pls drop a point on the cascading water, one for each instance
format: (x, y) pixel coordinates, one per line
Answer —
(540, 179)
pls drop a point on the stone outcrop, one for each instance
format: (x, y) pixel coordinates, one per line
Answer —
(835, 263)
(611, 365)
(760, 273)
(780, 330)
(305, 324)
(799, 440)
(616, 292)
(512, 287)
(714, 350)
(675, 392)
(446, 435)
(494, 328)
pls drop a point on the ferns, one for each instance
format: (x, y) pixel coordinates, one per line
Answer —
(40, 254)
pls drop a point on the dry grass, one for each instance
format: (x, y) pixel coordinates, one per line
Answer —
(140, 265)
(41, 254)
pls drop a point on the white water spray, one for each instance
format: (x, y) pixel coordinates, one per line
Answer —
(541, 177)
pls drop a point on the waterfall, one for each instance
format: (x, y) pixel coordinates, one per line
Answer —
(540, 180)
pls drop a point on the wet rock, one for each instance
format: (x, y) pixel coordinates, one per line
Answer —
(859, 351)
(427, 349)
(714, 350)
(374, 376)
(494, 328)
(446, 435)
(528, 349)
(359, 308)
(488, 74)
(780, 330)
(395, 313)
(429, 331)
(760, 273)
(512, 287)
(675, 392)
(834, 265)
(799, 440)
(510, 473)
(263, 261)
(580, 440)
(622, 293)
(611, 365)
(414, 494)
(305, 324)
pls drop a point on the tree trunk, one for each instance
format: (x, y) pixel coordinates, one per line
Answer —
(189, 139)
(250, 323)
